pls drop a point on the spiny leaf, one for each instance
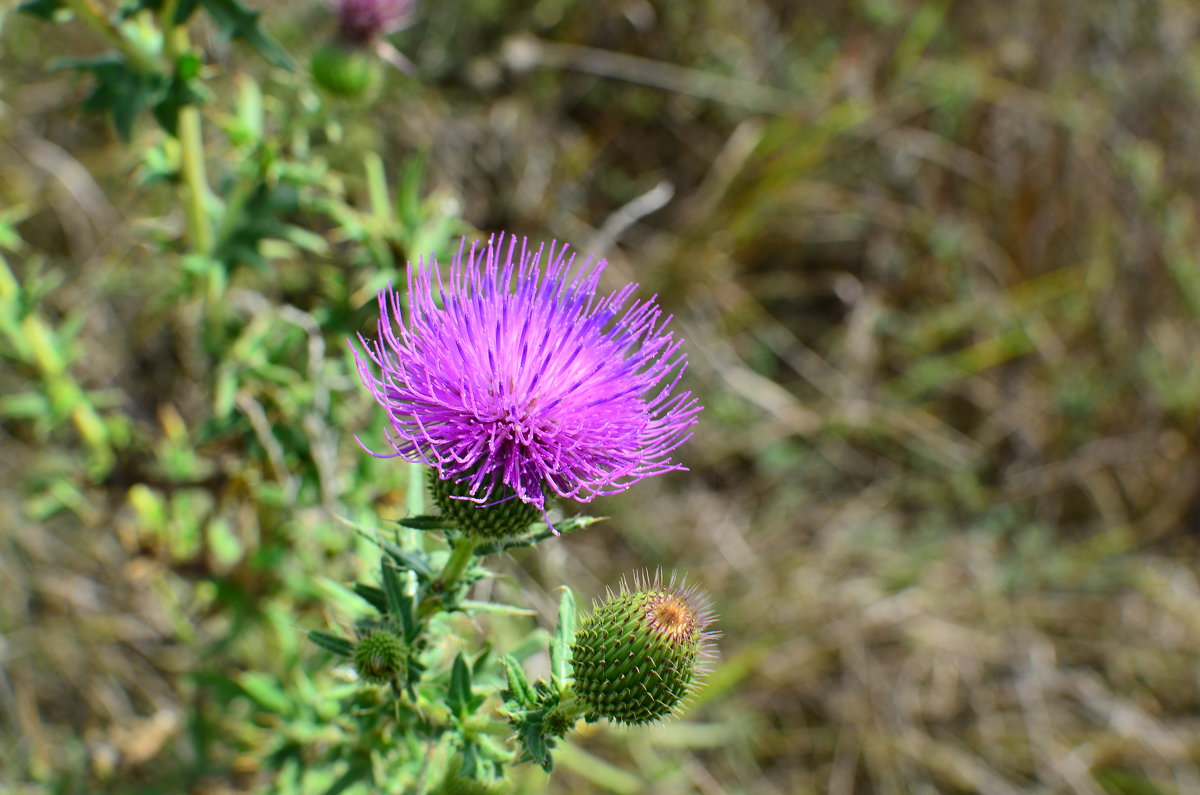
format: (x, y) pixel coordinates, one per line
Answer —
(564, 634)
(541, 532)
(426, 523)
(408, 560)
(518, 684)
(393, 589)
(472, 606)
(45, 9)
(331, 643)
(458, 698)
(400, 604)
(375, 596)
(238, 22)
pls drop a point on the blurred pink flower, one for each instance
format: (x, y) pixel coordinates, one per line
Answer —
(362, 23)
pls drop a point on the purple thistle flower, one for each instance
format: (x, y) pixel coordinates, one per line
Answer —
(516, 379)
(362, 22)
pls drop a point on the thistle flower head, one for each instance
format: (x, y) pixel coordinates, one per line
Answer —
(643, 651)
(515, 379)
(362, 22)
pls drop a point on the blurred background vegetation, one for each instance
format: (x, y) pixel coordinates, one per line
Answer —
(938, 266)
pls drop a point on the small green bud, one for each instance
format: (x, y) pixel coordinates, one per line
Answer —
(345, 71)
(557, 722)
(643, 651)
(502, 515)
(377, 657)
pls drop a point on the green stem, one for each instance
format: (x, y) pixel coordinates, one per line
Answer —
(92, 14)
(460, 557)
(461, 552)
(166, 22)
(195, 181)
(192, 169)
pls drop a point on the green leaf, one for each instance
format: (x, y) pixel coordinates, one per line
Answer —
(564, 634)
(564, 527)
(331, 643)
(266, 693)
(348, 600)
(44, 9)
(238, 22)
(400, 603)
(535, 745)
(120, 91)
(408, 560)
(408, 193)
(426, 523)
(496, 608)
(393, 589)
(458, 698)
(180, 91)
(375, 596)
(518, 685)
(27, 405)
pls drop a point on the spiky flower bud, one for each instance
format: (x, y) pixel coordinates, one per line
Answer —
(378, 656)
(500, 515)
(642, 651)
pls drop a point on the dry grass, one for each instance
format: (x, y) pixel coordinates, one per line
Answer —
(936, 263)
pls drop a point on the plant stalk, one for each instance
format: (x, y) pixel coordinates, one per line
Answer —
(192, 168)
(90, 13)
(460, 557)
(461, 552)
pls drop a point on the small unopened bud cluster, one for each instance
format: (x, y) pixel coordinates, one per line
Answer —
(501, 514)
(643, 651)
(377, 657)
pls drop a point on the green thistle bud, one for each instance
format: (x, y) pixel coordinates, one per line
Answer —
(345, 71)
(377, 657)
(491, 520)
(643, 651)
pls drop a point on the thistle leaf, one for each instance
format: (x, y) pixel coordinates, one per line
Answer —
(426, 523)
(458, 698)
(564, 634)
(518, 685)
(331, 643)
